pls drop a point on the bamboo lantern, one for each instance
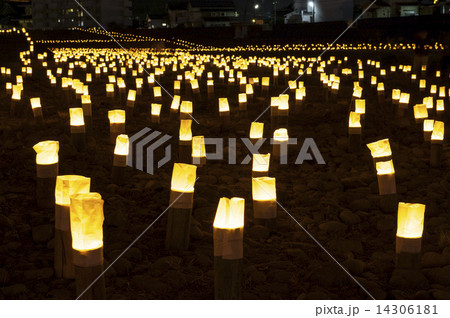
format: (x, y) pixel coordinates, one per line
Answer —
(210, 88)
(15, 98)
(260, 165)
(354, 132)
(151, 81)
(373, 81)
(228, 234)
(131, 98)
(86, 223)
(442, 92)
(177, 87)
(198, 151)
(77, 128)
(413, 78)
(117, 120)
(256, 131)
(403, 103)
(265, 82)
(249, 92)
(186, 109)
(360, 107)
(195, 88)
(88, 77)
(283, 111)
(386, 185)
(87, 111)
(8, 88)
(139, 84)
(427, 129)
(37, 110)
(65, 187)
(120, 159)
(396, 96)
(46, 172)
(274, 102)
(157, 94)
(224, 113)
(380, 92)
(440, 108)
(409, 235)
(155, 113)
(280, 143)
(300, 94)
(185, 141)
(437, 140)
(264, 201)
(380, 151)
(175, 106)
(420, 113)
(433, 90)
(110, 90)
(422, 85)
(221, 76)
(181, 202)
(242, 102)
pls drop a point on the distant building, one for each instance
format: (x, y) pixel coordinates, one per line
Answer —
(320, 11)
(66, 14)
(405, 8)
(202, 13)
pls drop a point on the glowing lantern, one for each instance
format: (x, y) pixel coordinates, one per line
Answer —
(429, 102)
(396, 95)
(420, 112)
(386, 177)
(109, 90)
(256, 131)
(440, 107)
(117, 120)
(198, 150)
(438, 131)
(260, 166)
(37, 110)
(185, 130)
(186, 110)
(360, 107)
(242, 101)
(177, 87)
(422, 85)
(280, 143)
(433, 90)
(46, 152)
(157, 93)
(264, 198)
(427, 129)
(228, 248)
(155, 113)
(380, 150)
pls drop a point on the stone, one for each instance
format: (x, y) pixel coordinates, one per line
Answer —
(408, 279)
(360, 205)
(433, 259)
(441, 294)
(350, 218)
(281, 276)
(167, 262)
(123, 266)
(37, 274)
(259, 232)
(196, 232)
(333, 226)
(440, 275)
(149, 284)
(42, 233)
(14, 290)
(258, 276)
(354, 266)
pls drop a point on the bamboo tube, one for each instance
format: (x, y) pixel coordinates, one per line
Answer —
(198, 151)
(264, 201)
(354, 133)
(228, 248)
(87, 112)
(65, 187)
(46, 172)
(37, 110)
(280, 142)
(224, 113)
(185, 141)
(181, 202)
(77, 128)
(117, 120)
(437, 140)
(120, 159)
(86, 220)
(387, 185)
(409, 235)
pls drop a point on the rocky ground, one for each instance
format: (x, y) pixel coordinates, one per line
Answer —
(338, 203)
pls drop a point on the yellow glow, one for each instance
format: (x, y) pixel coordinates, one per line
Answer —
(357, 92)
(428, 101)
(428, 125)
(156, 109)
(185, 129)
(183, 177)
(261, 162)
(360, 106)
(198, 146)
(410, 220)
(354, 120)
(116, 116)
(157, 91)
(264, 189)
(176, 85)
(110, 88)
(256, 130)
(280, 135)
(438, 131)
(46, 152)
(385, 167)
(68, 185)
(265, 81)
(76, 116)
(380, 148)
(223, 105)
(175, 102)
(404, 98)
(249, 89)
(242, 98)
(131, 95)
(283, 102)
(420, 111)
(16, 92)
(85, 99)
(230, 214)
(442, 91)
(194, 84)
(86, 221)
(433, 89)
(35, 102)
(380, 87)
(422, 83)
(122, 146)
(396, 94)
(440, 105)
(186, 107)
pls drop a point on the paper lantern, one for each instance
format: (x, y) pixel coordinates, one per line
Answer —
(380, 149)
(410, 220)
(67, 185)
(183, 178)
(186, 109)
(86, 221)
(116, 116)
(16, 92)
(175, 105)
(198, 150)
(438, 131)
(256, 130)
(264, 200)
(281, 135)
(223, 105)
(422, 84)
(46, 152)
(440, 106)
(385, 167)
(360, 106)
(428, 125)
(185, 130)
(420, 112)
(429, 102)
(122, 145)
(76, 117)
(157, 93)
(155, 112)
(230, 214)
(354, 121)
(109, 90)
(260, 165)
(131, 95)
